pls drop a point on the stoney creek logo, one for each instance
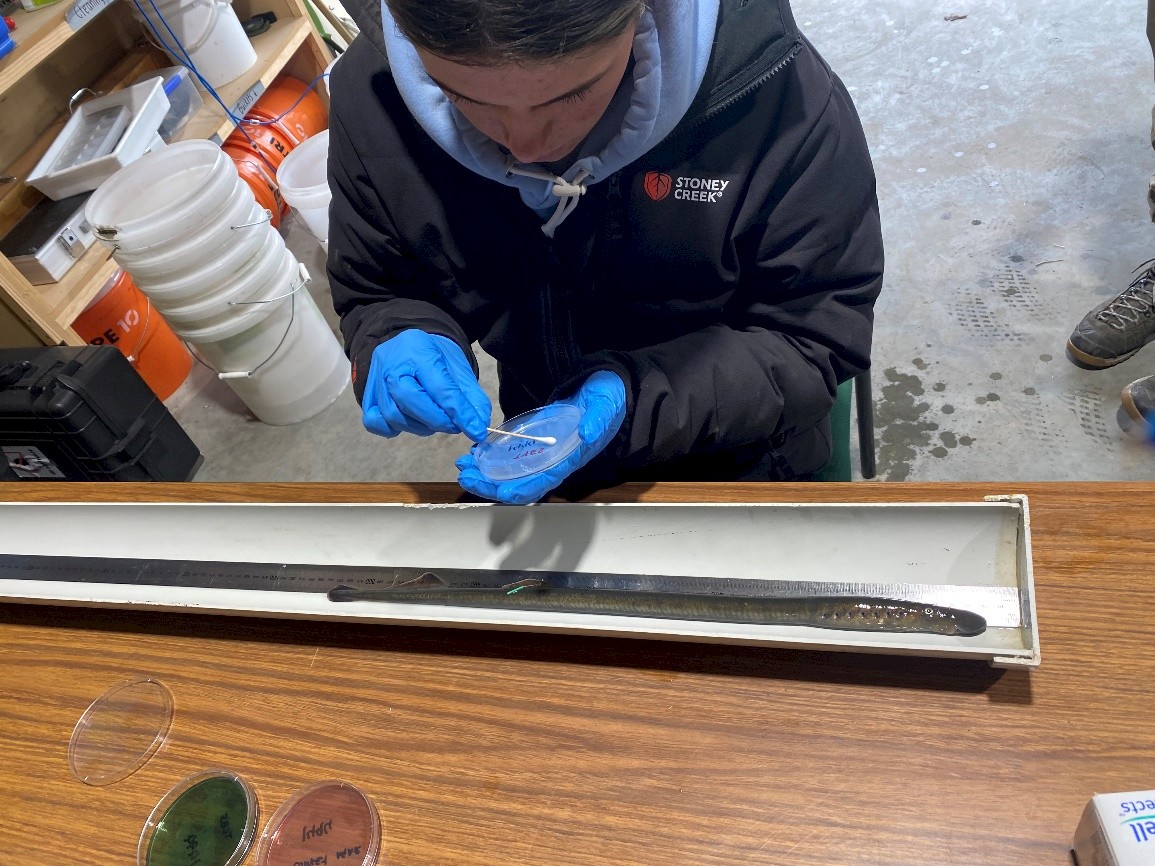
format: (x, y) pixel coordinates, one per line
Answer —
(658, 185)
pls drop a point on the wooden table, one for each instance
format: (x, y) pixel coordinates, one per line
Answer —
(496, 748)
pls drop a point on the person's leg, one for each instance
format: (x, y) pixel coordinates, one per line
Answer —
(1116, 329)
(1151, 26)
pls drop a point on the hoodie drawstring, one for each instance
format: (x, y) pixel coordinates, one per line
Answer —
(567, 191)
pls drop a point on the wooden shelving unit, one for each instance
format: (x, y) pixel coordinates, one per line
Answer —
(49, 60)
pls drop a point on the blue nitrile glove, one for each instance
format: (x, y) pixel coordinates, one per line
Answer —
(422, 383)
(602, 401)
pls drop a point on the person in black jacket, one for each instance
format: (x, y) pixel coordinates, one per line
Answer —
(663, 214)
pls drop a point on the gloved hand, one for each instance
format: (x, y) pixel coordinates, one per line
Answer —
(422, 383)
(602, 401)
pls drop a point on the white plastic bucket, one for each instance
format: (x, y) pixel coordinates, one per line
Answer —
(297, 364)
(208, 31)
(275, 294)
(328, 74)
(262, 280)
(163, 196)
(202, 247)
(304, 182)
(208, 279)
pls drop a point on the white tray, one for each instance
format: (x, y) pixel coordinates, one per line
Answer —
(147, 103)
(983, 543)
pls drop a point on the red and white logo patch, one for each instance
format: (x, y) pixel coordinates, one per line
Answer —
(657, 185)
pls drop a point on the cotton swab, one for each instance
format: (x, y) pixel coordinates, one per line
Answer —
(544, 440)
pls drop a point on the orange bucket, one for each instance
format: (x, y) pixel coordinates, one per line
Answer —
(268, 144)
(254, 172)
(122, 316)
(306, 118)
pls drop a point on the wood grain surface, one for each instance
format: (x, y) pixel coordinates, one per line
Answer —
(504, 748)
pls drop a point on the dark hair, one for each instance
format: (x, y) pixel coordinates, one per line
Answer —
(511, 31)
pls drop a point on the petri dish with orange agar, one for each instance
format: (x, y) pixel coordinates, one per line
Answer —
(119, 731)
(323, 823)
(208, 818)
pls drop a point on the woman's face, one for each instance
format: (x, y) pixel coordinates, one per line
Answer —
(538, 112)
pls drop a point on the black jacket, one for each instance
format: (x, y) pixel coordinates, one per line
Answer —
(728, 275)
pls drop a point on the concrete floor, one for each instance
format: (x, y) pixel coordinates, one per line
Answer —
(1012, 153)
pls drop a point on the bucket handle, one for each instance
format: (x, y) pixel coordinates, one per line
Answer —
(132, 359)
(267, 218)
(305, 280)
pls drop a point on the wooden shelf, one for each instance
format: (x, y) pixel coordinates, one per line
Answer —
(32, 80)
(274, 47)
(37, 35)
(68, 298)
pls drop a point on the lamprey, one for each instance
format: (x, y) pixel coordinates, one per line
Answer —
(849, 613)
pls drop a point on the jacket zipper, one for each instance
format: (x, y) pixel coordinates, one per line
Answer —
(715, 110)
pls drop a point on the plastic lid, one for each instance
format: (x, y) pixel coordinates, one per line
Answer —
(119, 731)
(209, 819)
(503, 456)
(324, 823)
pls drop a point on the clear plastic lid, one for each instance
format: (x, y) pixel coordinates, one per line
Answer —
(517, 450)
(119, 731)
(208, 819)
(324, 823)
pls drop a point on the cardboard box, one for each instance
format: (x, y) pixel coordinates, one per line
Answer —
(1117, 830)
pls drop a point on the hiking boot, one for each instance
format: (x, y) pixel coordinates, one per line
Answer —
(1116, 329)
(1136, 414)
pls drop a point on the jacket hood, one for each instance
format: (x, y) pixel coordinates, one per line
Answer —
(671, 55)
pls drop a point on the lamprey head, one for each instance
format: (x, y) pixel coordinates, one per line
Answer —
(965, 623)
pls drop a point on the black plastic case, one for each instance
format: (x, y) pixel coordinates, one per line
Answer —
(82, 413)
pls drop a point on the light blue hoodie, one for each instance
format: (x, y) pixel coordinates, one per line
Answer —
(670, 52)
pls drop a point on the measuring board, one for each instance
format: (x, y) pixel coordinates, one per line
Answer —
(1000, 606)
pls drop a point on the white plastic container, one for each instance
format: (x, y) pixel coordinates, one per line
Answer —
(304, 182)
(276, 293)
(163, 196)
(328, 73)
(262, 280)
(76, 162)
(209, 32)
(298, 367)
(183, 97)
(183, 256)
(205, 279)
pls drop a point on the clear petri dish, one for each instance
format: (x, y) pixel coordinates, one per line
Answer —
(119, 731)
(208, 818)
(502, 457)
(327, 822)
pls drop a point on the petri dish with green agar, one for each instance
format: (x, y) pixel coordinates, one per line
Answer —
(119, 731)
(208, 819)
(517, 449)
(327, 822)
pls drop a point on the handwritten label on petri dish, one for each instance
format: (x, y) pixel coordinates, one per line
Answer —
(208, 823)
(330, 822)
